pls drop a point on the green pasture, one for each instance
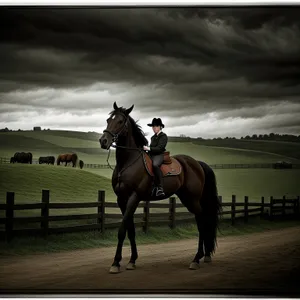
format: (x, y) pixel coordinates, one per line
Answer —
(86, 145)
(76, 185)
(67, 184)
(289, 149)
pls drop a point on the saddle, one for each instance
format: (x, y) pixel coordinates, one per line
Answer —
(169, 167)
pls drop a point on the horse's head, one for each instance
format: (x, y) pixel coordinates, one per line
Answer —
(116, 126)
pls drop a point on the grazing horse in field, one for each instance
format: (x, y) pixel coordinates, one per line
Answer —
(47, 160)
(66, 158)
(22, 157)
(192, 181)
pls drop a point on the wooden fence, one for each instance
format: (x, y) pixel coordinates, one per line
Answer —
(103, 220)
(6, 160)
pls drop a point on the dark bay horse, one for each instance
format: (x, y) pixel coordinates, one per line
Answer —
(22, 157)
(47, 160)
(195, 186)
(66, 158)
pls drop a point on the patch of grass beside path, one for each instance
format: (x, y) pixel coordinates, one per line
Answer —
(73, 241)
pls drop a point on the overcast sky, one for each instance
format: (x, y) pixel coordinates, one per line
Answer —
(204, 72)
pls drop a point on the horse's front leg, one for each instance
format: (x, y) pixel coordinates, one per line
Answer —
(131, 206)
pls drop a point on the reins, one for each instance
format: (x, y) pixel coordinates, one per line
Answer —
(129, 148)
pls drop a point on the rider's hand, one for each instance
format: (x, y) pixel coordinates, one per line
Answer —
(146, 148)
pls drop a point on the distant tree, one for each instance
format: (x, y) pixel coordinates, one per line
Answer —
(254, 136)
(271, 136)
(247, 137)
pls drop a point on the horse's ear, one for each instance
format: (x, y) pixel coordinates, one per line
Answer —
(129, 110)
(115, 106)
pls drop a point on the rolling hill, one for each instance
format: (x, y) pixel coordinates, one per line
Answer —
(86, 145)
(252, 182)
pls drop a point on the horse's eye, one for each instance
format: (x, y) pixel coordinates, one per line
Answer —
(120, 122)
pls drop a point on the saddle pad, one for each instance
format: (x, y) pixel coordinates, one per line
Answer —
(167, 169)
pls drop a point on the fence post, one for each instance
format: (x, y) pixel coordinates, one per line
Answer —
(220, 199)
(233, 209)
(45, 212)
(101, 210)
(246, 209)
(146, 216)
(172, 210)
(9, 222)
(283, 206)
(262, 207)
(297, 207)
(271, 207)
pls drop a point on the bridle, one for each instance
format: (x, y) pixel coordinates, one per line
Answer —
(115, 137)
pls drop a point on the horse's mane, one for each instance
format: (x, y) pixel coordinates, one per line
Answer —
(138, 134)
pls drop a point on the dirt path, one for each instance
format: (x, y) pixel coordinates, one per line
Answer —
(268, 261)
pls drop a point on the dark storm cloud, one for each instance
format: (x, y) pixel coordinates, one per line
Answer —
(178, 61)
(113, 44)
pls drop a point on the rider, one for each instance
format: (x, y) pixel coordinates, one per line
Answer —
(156, 150)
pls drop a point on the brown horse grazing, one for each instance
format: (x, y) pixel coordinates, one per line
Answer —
(66, 158)
(192, 181)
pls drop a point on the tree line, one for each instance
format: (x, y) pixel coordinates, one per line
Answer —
(258, 137)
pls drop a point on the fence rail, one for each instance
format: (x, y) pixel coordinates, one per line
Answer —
(105, 220)
(6, 160)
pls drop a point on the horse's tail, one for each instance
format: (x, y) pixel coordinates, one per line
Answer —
(30, 157)
(212, 208)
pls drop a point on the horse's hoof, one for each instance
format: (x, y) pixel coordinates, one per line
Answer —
(194, 266)
(207, 259)
(114, 270)
(131, 266)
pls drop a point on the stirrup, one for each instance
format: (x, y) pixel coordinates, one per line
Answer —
(160, 192)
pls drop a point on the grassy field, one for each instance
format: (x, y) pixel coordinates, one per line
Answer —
(289, 149)
(85, 183)
(87, 147)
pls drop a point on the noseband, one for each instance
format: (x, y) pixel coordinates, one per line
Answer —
(115, 136)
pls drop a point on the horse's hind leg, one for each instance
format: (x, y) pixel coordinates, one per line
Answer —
(194, 207)
(208, 238)
(200, 253)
